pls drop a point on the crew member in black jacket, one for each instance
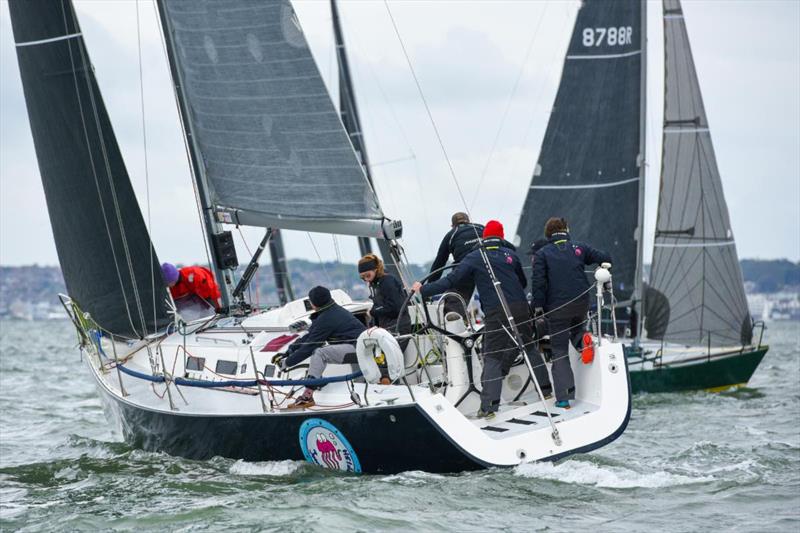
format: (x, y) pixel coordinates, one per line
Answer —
(331, 338)
(458, 242)
(387, 295)
(499, 348)
(561, 289)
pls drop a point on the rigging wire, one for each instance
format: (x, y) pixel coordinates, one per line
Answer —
(336, 247)
(146, 163)
(425, 104)
(319, 257)
(508, 104)
(405, 138)
(514, 331)
(553, 63)
(203, 235)
(90, 90)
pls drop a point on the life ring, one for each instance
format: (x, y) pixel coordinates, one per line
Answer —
(373, 344)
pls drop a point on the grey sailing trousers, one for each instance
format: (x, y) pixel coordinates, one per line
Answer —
(332, 353)
(567, 324)
(500, 352)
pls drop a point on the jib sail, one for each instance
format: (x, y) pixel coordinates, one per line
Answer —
(109, 265)
(696, 294)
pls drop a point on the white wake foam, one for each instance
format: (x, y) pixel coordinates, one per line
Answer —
(584, 473)
(267, 468)
(411, 477)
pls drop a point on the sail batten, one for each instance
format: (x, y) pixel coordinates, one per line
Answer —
(273, 149)
(695, 294)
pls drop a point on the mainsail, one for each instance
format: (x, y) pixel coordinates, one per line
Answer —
(273, 150)
(590, 165)
(108, 262)
(695, 295)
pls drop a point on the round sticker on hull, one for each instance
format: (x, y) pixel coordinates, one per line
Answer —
(324, 445)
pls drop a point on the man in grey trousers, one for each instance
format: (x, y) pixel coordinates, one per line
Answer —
(331, 338)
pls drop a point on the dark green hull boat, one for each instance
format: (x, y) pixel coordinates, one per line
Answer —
(715, 371)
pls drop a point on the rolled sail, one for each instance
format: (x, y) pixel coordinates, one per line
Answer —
(108, 262)
(696, 294)
(273, 149)
(588, 169)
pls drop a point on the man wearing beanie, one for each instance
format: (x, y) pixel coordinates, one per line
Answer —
(331, 338)
(499, 348)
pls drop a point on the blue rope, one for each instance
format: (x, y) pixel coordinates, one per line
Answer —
(314, 382)
(140, 375)
(97, 336)
(202, 383)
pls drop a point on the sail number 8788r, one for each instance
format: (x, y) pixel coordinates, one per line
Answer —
(613, 36)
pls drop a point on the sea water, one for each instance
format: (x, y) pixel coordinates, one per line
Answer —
(688, 462)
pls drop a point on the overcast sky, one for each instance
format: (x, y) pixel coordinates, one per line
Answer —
(468, 56)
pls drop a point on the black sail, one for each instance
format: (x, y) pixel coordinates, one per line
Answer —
(589, 166)
(109, 266)
(696, 294)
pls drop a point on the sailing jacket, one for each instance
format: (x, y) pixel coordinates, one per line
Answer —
(559, 271)
(332, 324)
(388, 297)
(196, 280)
(507, 268)
(458, 242)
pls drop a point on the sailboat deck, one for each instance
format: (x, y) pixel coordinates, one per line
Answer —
(515, 419)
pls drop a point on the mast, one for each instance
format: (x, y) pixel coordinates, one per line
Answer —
(348, 110)
(283, 283)
(213, 229)
(637, 303)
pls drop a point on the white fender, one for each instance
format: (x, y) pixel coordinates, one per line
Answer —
(373, 343)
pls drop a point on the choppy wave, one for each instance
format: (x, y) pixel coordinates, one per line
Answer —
(614, 477)
(704, 461)
(267, 468)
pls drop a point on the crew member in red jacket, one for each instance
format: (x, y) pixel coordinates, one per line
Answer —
(191, 280)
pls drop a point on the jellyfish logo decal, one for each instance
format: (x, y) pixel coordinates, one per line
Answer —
(324, 445)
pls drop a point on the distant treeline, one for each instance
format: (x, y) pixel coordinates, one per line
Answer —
(771, 275)
(42, 284)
